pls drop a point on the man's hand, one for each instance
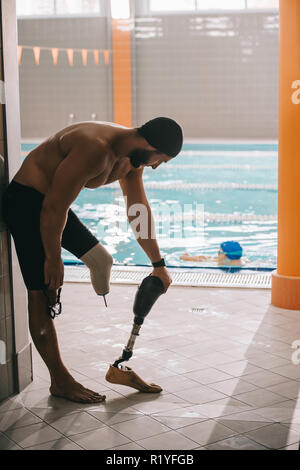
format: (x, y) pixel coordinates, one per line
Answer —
(163, 274)
(53, 273)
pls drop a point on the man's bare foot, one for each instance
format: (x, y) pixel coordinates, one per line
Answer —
(74, 391)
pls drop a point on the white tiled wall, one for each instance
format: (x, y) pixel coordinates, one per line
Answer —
(15, 364)
(215, 73)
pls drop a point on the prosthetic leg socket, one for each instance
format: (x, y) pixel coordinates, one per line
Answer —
(99, 262)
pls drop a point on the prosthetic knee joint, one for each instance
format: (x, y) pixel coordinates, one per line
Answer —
(99, 261)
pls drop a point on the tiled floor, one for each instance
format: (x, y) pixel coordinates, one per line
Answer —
(227, 375)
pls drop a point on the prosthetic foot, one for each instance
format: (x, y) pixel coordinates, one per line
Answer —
(126, 376)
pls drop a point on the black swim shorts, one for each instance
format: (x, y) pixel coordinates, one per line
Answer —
(21, 207)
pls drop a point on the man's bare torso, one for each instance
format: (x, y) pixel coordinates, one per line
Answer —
(39, 166)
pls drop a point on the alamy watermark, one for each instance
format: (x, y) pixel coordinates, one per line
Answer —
(296, 354)
(296, 94)
(167, 219)
(2, 352)
(2, 92)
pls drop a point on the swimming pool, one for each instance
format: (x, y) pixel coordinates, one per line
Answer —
(210, 193)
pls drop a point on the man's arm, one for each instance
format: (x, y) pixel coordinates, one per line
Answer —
(83, 162)
(133, 188)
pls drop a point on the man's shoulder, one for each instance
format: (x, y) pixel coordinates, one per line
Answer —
(82, 138)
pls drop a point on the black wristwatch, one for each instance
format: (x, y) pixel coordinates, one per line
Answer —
(159, 263)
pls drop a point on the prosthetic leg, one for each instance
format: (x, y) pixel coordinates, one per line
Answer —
(148, 292)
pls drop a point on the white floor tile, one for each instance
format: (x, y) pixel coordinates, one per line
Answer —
(110, 418)
(7, 444)
(294, 446)
(274, 436)
(177, 422)
(140, 428)
(100, 439)
(129, 446)
(176, 383)
(245, 416)
(60, 444)
(236, 443)
(155, 406)
(11, 404)
(264, 378)
(278, 413)
(240, 425)
(206, 432)
(187, 412)
(168, 441)
(220, 408)
(16, 419)
(291, 371)
(33, 435)
(75, 423)
(200, 394)
(209, 375)
(288, 389)
(268, 361)
(238, 368)
(51, 413)
(232, 387)
(259, 398)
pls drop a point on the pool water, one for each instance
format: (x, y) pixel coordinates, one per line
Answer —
(208, 194)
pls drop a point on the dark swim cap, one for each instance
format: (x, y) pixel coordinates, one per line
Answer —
(164, 134)
(232, 249)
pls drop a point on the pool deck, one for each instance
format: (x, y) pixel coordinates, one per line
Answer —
(249, 278)
(222, 356)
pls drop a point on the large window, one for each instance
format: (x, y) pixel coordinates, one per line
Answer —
(198, 5)
(217, 4)
(64, 7)
(263, 3)
(172, 5)
(93, 7)
(57, 7)
(35, 7)
(120, 8)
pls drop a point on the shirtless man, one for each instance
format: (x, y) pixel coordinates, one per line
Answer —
(36, 209)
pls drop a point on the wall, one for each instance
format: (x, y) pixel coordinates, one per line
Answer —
(216, 73)
(7, 380)
(48, 93)
(15, 348)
